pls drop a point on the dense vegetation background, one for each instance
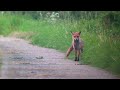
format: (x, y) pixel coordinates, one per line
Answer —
(51, 29)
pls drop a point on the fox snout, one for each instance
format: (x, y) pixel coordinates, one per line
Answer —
(76, 39)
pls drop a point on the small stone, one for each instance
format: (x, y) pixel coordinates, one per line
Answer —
(32, 72)
(18, 57)
(40, 57)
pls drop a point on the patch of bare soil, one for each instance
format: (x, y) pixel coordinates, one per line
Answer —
(21, 60)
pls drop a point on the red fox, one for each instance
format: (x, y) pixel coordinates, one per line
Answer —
(77, 45)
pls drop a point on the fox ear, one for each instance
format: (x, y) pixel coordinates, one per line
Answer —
(71, 32)
(80, 32)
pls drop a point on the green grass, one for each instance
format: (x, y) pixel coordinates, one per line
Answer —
(100, 50)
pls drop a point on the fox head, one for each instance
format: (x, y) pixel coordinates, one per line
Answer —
(76, 35)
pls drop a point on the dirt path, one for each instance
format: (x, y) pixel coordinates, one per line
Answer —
(22, 60)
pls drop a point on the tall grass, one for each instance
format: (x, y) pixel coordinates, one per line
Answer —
(100, 50)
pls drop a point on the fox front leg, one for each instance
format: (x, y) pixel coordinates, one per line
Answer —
(75, 55)
(78, 55)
